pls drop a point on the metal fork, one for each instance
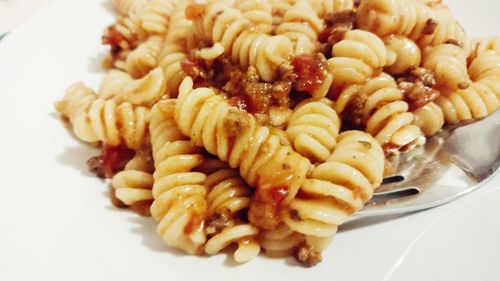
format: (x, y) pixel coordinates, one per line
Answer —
(465, 156)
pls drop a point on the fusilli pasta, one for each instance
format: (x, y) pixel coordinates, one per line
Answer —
(126, 7)
(449, 64)
(125, 34)
(222, 24)
(264, 162)
(402, 54)
(95, 119)
(337, 188)
(477, 101)
(313, 128)
(222, 118)
(357, 58)
(281, 241)
(420, 23)
(302, 26)
(180, 204)
(325, 7)
(155, 15)
(380, 107)
(485, 44)
(121, 87)
(485, 66)
(228, 197)
(144, 58)
(258, 12)
(133, 185)
(429, 118)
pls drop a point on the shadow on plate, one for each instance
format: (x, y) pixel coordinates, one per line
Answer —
(95, 62)
(76, 157)
(108, 6)
(146, 228)
(368, 221)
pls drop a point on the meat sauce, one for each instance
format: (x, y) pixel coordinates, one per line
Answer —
(265, 207)
(310, 72)
(113, 38)
(418, 88)
(112, 160)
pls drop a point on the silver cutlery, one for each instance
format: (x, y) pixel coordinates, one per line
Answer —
(465, 155)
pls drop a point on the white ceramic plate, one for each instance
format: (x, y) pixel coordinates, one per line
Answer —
(56, 221)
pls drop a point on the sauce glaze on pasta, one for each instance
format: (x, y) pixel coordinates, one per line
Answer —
(266, 123)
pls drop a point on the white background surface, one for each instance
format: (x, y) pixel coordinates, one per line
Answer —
(56, 221)
(15, 12)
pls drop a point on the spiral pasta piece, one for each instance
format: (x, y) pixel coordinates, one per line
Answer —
(390, 17)
(228, 197)
(413, 19)
(485, 66)
(325, 7)
(155, 16)
(234, 136)
(258, 12)
(477, 101)
(447, 30)
(121, 87)
(382, 111)
(126, 7)
(171, 58)
(281, 241)
(357, 58)
(313, 128)
(279, 8)
(144, 58)
(302, 26)
(449, 64)
(180, 204)
(126, 33)
(483, 45)
(225, 26)
(434, 3)
(337, 188)
(133, 185)
(402, 54)
(181, 30)
(481, 98)
(429, 118)
(113, 85)
(75, 102)
(111, 124)
(95, 119)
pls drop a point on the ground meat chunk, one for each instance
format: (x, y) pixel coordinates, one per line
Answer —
(336, 25)
(218, 221)
(114, 200)
(251, 93)
(417, 87)
(266, 205)
(112, 160)
(353, 115)
(307, 256)
(310, 72)
(96, 165)
(113, 38)
(142, 208)
(430, 27)
(195, 11)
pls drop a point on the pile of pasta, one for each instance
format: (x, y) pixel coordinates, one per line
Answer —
(267, 123)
